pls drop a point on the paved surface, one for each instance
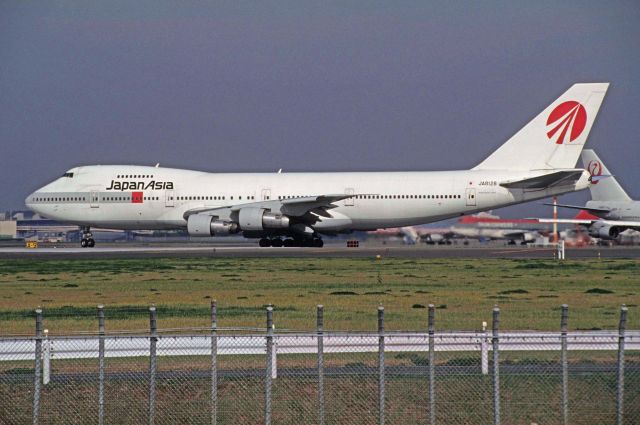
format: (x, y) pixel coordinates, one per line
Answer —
(198, 345)
(330, 250)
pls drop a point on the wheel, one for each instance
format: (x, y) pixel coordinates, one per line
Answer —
(264, 242)
(84, 243)
(318, 243)
(288, 243)
(277, 242)
(91, 243)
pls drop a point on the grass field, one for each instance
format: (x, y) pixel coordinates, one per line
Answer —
(529, 292)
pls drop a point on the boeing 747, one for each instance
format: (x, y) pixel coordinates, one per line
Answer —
(296, 209)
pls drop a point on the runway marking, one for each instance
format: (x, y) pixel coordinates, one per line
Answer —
(523, 251)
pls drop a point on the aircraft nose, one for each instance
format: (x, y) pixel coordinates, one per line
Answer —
(29, 201)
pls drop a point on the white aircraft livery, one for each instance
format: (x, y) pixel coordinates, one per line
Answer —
(537, 162)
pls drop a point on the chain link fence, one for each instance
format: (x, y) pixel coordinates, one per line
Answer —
(260, 376)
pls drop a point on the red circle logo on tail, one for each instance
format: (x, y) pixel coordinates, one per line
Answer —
(595, 169)
(566, 121)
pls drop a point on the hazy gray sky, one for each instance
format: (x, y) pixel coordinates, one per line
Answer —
(303, 86)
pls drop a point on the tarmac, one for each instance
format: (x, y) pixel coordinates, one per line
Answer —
(332, 249)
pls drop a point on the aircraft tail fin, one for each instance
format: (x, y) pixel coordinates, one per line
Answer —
(553, 139)
(603, 189)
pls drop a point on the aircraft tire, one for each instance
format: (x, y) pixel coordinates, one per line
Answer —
(264, 243)
(91, 243)
(277, 242)
(84, 243)
(318, 243)
(288, 243)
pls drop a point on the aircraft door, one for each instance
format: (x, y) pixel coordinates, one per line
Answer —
(470, 194)
(93, 199)
(168, 200)
(349, 202)
(266, 194)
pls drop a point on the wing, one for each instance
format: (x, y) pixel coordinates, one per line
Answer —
(544, 181)
(576, 207)
(586, 222)
(307, 208)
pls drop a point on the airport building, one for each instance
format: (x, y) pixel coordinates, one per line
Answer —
(8, 229)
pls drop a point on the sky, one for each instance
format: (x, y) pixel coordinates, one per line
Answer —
(303, 86)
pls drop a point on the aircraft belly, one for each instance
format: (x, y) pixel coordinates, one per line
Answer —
(375, 217)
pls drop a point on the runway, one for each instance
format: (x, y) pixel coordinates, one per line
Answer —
(186, 250)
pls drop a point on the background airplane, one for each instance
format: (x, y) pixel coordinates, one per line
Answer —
(611, 210)
(482, 227)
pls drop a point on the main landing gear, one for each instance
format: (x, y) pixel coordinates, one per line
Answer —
(87, 238)
(277, 242)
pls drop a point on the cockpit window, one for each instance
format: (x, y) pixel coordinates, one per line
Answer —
(70, 175)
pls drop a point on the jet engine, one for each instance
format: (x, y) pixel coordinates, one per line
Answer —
(604, 231)
(206, 225)
(249, 220)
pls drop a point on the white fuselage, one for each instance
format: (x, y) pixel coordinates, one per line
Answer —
(140, 197)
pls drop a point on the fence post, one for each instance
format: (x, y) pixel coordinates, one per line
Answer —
(153, 339)
(100, 364)
(268, 378)
(620, 393)
(380, 365)
(320, 336)
(214, 362)
(496, 368)
(564, 319)
(38, 368)
(432, 366)
(46, 358)
(484, 350)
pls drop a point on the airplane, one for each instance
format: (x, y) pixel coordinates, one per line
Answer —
(485, 226)
(537, 162)
(610, 211)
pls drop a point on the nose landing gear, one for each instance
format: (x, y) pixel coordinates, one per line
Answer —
(87, 238)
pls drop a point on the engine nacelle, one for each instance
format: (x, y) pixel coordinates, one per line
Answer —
(258, 219)
(206, 225)
(604, 231)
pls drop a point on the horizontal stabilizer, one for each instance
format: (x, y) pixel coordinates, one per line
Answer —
(545, 181)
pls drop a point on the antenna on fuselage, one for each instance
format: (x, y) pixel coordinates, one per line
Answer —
(157, 165)
(280, 171)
